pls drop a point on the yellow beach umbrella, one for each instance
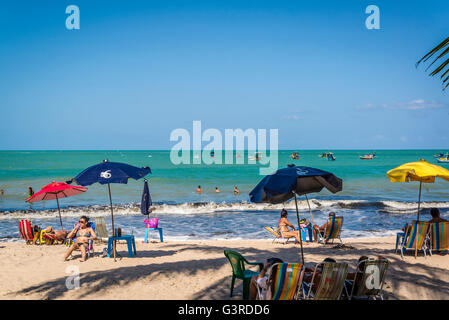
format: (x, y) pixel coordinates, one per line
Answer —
(421, 171)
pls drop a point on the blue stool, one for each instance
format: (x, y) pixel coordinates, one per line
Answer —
(399, 237)
(129, 241)
(147, 234)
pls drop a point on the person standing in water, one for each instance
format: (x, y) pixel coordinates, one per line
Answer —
(216, 190)
(236, 191)
(30, 191)
(199, 190)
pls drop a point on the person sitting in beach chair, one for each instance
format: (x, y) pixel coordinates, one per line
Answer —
(83, 235)
(435, 213)
(258, 284)
(284, 224)
(330, 230)
(278, 280)
(28, 232)
(438, 237)
(326, 282)
(368, 279)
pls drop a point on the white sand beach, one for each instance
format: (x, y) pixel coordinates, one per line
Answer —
(197, 269)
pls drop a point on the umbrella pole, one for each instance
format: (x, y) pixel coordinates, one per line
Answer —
(112, 215)
(299, 229)
(419, 205)
(310, 210)
(59, 211)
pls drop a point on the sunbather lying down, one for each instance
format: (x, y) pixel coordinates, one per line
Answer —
(83, 234)
(59, 234)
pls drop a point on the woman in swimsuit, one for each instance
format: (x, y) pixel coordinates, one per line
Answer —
(283, 227)
(83, 234)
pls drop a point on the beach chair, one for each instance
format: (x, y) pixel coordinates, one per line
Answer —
(284, 282)
(26, 231)
(332, 231)
(238, 262)
(331, 284)
(415, 236)
(438, 236)
(368, 283)
(100, 229)
(277, 235)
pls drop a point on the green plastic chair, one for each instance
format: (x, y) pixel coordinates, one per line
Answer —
(238, 270)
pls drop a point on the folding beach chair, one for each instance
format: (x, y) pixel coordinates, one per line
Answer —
(26, 231)
(277, 235)
(368, 283)
(100, 229)
(238, 262)
(438, 236)
(415, 236)
(283, 283)
(332, 231)
(331, 284)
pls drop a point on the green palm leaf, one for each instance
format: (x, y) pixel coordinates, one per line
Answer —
(444, 62)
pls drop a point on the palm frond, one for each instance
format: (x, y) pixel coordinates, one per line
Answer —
(443, 45)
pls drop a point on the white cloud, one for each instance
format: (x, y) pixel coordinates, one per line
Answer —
(291, 117)
(417, 104)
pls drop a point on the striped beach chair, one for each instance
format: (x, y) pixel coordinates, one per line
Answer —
(369, 279)
(331, 284)
(100, 229)
(438, 236)
(284, 282)
(277, 235)
(415, 236)
(332, 231)
(26, 231)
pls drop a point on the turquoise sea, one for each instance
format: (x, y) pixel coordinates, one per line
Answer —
(369, 202)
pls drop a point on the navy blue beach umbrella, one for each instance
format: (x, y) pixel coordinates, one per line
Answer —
(146, 200)
(289, 182)
(108, 172)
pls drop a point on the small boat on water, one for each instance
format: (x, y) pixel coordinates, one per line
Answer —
(443, 159)
(440, 155)
(368, 156)
(294, 155)
(257, 156)
(330, 156)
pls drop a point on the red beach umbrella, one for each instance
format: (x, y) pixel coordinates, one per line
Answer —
(56, 190)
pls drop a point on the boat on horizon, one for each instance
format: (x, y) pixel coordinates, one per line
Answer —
(368, 156)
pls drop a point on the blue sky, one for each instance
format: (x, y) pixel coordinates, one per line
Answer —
(136, 70)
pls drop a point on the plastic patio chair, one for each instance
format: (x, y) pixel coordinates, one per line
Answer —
(331, 284)
(416, 235)
(284, 282)
(238, 262)
(368, 283)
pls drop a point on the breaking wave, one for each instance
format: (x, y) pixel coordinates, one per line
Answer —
(198, 208)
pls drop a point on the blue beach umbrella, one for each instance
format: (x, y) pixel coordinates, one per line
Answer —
(110, 172)
(146, 200)
(289, 182)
